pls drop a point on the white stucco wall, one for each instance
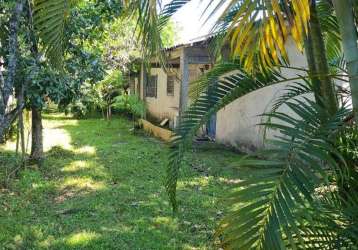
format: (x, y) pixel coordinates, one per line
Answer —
(237, 122)
(163, 106)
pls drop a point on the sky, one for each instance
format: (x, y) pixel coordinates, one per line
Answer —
(190, 21)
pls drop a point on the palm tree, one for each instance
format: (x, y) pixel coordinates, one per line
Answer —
(279, 206)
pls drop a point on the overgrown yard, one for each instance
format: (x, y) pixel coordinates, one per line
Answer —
(101, 187)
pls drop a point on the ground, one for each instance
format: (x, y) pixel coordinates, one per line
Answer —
(101, 187)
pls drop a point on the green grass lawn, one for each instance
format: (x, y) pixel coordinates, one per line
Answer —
(101, 187)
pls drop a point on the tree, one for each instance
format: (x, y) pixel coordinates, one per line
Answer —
(120, 47)
(97, 47)
(111, 87)
(82, 63)
(44, 24)
(86, 30)
(44, 84)
(51, 38)
(318, 63)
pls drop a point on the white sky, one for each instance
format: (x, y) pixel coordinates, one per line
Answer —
(190, 22)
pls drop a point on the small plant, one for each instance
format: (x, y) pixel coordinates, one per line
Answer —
(130, 104)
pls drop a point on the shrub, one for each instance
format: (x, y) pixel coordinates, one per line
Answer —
(130, 104)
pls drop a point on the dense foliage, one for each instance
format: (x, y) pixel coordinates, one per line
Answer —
(102, 51)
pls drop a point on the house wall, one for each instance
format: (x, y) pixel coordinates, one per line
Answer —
(163, 106)
(237, 122)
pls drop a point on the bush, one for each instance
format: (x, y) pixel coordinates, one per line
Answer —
(78, 109)
(130, 104)
(88, 102)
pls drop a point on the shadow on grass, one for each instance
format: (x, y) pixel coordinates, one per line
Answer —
(106, 192)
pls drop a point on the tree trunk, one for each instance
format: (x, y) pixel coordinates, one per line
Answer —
(20, 100)
(6, 119)
(22, 135)
(7, 89)
(316, 83)
(36, 137)
(344, 13)
(326, 86)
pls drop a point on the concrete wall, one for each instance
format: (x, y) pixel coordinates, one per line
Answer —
(187, 61)
(237, 122)
(163, 106)
(159, 132)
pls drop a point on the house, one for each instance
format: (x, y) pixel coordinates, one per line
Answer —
(166, 94)
(165, 91)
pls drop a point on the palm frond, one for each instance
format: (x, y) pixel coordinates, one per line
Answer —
(284, 178)
(210, 78)
(330, 29)
(217, 92)
(341, 210)
(325, 229)
(152, 18)
(49, 20)
(292, 91)
(258, 30)
(149, 28)
(338, 64)
(171, 8)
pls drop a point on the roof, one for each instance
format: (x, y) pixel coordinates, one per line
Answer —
(199, 41)
(202, 40)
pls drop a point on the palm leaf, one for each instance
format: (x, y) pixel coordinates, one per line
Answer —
(170, 9)
(284, 183)
(49, 20)
(148, 25)
(259, 29)
(217, 91)
(210, 78)
(292, 91)
(330, 29)
(152, 18)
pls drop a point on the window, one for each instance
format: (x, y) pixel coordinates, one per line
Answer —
(170, 85)
(151, 90)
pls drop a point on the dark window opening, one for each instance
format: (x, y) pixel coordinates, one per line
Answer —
(151, 90)
(170, 85)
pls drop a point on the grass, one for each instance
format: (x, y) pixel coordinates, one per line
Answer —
(101, 187)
